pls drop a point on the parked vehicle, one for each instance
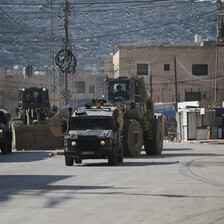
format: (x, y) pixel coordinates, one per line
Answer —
(5, 132)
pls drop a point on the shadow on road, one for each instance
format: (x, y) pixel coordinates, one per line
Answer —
(24, 156)
(37, 185)
(151, 159)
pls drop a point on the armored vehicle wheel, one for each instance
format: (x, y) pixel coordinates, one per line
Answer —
(120, 155)
(133, 139)
(9, 147)
(69, 161)
(9, 143)
(78, 160)
(4, 148)
(154, 140)
(112, 159)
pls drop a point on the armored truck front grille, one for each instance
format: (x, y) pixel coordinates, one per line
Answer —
(87, 144)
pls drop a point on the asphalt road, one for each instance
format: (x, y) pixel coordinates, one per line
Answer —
(183, 185)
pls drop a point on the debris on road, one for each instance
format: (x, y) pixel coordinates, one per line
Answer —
(58, 152)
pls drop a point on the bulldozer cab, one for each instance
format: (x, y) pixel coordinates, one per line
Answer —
(33, 97)
(126, 90)
(130, 93)
(119, 90)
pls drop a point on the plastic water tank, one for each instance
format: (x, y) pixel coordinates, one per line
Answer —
(197, 39)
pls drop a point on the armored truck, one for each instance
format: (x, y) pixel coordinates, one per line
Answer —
(94, 132)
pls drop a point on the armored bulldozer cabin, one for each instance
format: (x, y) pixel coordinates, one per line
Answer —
(31, 128)
(141, 127)
(94, 132)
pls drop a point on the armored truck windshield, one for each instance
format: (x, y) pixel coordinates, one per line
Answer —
(3, 118)
(93, 123)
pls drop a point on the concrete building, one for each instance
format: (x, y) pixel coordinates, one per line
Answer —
(199, 70)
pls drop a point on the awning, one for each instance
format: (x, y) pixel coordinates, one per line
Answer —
(167, 112)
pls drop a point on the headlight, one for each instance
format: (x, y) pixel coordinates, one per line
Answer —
(102, 142)
(1, 131)
(73, 143)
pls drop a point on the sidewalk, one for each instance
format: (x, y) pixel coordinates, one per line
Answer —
(208, 141)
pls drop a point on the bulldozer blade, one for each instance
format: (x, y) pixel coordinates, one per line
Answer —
(33, 137)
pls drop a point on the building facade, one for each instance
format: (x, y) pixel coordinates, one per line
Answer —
(193, 72)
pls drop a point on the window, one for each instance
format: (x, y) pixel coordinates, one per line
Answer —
(142, 69)
(119, 90)
(80, 87)
(92, 89)
(192, 96)
(166, 67)
(200, 69)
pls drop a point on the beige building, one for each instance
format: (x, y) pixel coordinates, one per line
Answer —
(199, 71)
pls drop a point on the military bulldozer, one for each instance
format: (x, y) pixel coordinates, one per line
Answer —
(35, 126)
(141, 127)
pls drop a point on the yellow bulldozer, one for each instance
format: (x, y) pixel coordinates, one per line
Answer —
(37, 125)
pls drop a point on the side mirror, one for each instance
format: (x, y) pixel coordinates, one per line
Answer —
(63, 126)
(55, 109)
(132, 105)
(70, 111)
(137, 98)
(17, 110)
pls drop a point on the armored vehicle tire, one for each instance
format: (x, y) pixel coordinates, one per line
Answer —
(78, 160)
(112, 159)
(9, 148)
(120, 155)
(132, 138)
(4, 149)
(154, 144)
(69, 161)
(9, 145)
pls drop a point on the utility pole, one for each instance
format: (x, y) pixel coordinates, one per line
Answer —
(64, 59)
(52, 65)
(66, 9)
(51, 37)
(175, 73)
(219, 40)
(176, 104)
(151, 85)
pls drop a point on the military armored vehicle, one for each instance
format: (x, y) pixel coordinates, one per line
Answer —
(32, 128)
(141, 127)
(5, 132)
(94, 132)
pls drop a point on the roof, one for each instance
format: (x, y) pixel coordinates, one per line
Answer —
(94, 111)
